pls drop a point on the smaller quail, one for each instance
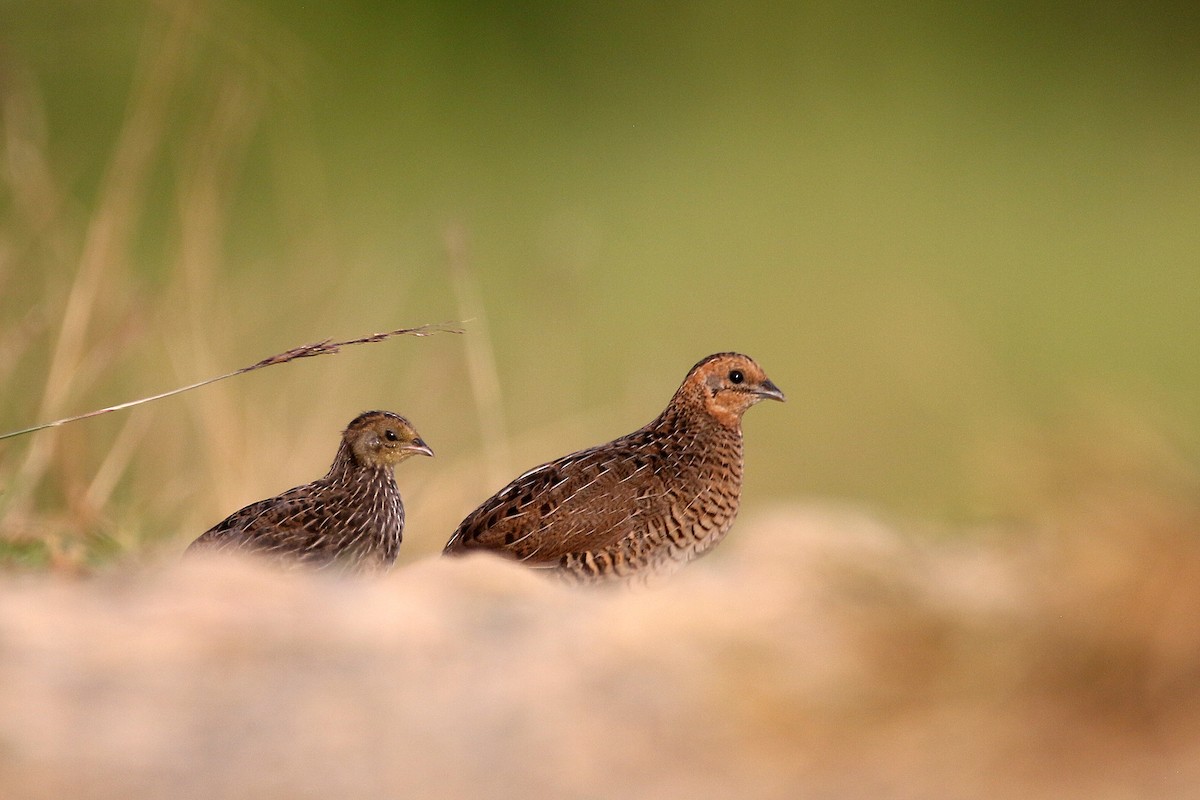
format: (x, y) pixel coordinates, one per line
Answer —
(351, 520)
(640, 506)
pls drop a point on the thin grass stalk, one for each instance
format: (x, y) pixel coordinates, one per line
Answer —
(321, 348)
(481, 358)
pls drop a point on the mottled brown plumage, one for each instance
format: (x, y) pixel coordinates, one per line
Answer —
(352, 519)
(642, 505)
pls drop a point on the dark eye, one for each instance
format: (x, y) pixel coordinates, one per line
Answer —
(736, 376)
(390, 435)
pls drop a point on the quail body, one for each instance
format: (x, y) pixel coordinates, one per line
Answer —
(352, 519)
(640, 506)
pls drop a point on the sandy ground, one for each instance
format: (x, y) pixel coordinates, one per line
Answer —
(819, 653)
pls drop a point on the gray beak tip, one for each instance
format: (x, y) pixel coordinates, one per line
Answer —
(419, 446)
(771, 391)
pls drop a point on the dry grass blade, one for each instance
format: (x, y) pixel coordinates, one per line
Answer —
(481, 358)
(321, 348)
(110, 230)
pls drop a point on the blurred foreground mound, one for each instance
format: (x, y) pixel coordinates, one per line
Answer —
(818, 654)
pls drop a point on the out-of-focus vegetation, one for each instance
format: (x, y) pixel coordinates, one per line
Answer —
(942, 231)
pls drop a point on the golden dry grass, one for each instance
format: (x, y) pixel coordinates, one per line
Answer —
(88, 318)
(923, 283)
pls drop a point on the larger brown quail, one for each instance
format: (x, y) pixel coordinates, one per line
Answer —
(352, 519)
(642, 505)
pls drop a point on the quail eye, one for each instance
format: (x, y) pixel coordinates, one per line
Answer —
(736, 376)
(390, 435)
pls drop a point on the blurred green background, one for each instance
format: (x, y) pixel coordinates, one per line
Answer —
(942, 230)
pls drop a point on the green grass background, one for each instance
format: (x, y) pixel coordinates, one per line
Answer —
(947, 232)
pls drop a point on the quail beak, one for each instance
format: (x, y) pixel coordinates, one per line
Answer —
(768, 390)
(419, 446)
